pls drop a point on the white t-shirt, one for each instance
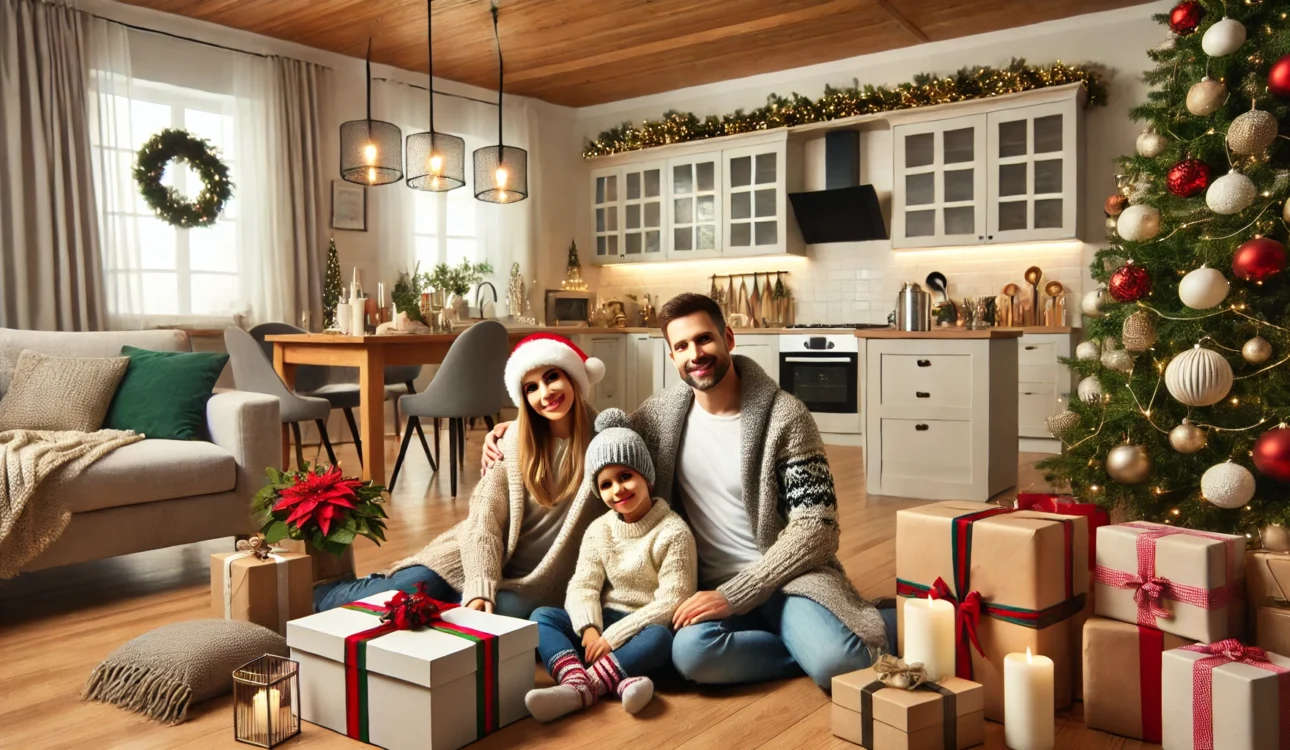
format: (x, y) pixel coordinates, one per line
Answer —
(712, 489)
(540, 527)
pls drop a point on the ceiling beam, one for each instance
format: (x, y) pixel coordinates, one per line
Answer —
(905, 23)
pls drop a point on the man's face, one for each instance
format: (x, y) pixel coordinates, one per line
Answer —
(700, 351)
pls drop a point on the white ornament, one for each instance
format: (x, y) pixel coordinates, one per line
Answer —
(1088, 350)
(1092, 303)
(1139, 223)
(1252, 132)
(1223, 38)
(1089, 390)
(1256, 351)
(1230, 194)
(1205, 97)
(1198, 377)
(1203, 288)
(1118, 360)
(1227, 485)
(1151, 144)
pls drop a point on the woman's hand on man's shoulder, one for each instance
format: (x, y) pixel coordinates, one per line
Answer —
(492, 452)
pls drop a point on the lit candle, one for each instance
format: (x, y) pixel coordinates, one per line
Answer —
(1028, 720)
(929, 635)
(263, 703)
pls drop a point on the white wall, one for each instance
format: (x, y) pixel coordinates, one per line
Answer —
(857, 282)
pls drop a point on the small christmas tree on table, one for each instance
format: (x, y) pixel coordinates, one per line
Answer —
(331, 286)
(573, 271)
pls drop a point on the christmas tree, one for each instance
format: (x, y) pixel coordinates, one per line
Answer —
(1184, 394)
(573, 271)
(332, 288)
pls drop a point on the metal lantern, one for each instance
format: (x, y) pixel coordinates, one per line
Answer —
(501, 171)
(371, 151)
(436, 161)
(266, 701)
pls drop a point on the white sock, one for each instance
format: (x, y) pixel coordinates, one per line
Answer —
(549, 704)
(636, 693)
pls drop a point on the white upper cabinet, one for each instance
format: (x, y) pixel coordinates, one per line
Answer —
(694, 208)
(756, 210)
(605, 205)
(643, 220)
(939, 196)
(1033, 173)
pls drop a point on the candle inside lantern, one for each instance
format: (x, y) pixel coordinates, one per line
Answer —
(1029, 721)
(929, 635)
(264, 703)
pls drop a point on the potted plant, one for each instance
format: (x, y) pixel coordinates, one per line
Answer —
(322, 512)
(407, 292)
(458, 280)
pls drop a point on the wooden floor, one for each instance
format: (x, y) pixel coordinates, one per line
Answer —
(56, 625)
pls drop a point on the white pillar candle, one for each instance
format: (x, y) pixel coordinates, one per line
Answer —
(342, 317)
(264, 703)
(1028, 717)
(357, 317)
(929, 636)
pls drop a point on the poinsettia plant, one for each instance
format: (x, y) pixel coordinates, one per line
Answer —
(321, 506)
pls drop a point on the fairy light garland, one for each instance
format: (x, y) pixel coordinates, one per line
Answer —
(150, 166)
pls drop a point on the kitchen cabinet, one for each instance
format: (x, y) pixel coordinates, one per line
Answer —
(612, 350)
(939, 192)
(694, 206)
(1043, 383)
(762, 349)
(627, 212)
(756, 181)
(1033, 179)
(605, 208)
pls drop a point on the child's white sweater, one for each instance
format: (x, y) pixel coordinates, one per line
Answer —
(647, 568)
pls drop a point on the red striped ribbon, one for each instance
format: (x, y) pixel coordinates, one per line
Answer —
(1231, 651)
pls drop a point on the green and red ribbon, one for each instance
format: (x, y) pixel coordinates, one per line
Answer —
(415, 611)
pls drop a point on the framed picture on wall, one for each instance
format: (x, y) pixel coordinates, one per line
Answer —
(348, 206)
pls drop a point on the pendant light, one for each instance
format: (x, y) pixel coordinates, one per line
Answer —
(501, 171)
(371, 151)
(436, 161)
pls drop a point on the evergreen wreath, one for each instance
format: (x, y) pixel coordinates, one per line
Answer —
(171, 144)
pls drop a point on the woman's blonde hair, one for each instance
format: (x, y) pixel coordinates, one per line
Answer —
(536, 442)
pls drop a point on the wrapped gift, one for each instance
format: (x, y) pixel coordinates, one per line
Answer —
(1272, 629)
(891, 707)
(1122, 677)
(1015, 577)
(1267, 579)
(437, 687)
(267, 589)
(1225, 690)
(1182, 581)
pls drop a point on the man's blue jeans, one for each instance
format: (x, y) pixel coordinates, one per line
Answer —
(335, 595)
(643, 653)
(784, 637)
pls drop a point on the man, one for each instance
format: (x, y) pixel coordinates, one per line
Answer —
(743, 462)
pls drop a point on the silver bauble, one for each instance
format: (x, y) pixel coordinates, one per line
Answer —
(1256, 351)
(1061, 424)
(1151, 144)
(1205, 97)
(1230, 194)
(1203, 288)
(1139, 332)
(1187, 438)
(1198, 377)
(1128, 464)
(1227, 485)
(1223, 38)
(1089, 390)
(1138, 223)
(1088, 350)
(1118, 360)
(1092, 303)
(1252, 132)
(1275, 537)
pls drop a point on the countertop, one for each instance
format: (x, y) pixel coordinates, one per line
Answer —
(939, 333)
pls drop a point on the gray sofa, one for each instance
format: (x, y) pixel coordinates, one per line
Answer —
(158, 493)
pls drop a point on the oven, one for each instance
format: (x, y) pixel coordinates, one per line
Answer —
(823, 372)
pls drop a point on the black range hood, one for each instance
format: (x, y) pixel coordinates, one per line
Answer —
(845, 211)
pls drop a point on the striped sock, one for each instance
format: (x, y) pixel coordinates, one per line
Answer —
(606, 675)
(566, 669)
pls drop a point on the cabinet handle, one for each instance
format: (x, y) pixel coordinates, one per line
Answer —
(989, 237)
(1031, 348)
(1027, 394)
(980, 236)
(922, 394)
(924, 363)
(920, 427)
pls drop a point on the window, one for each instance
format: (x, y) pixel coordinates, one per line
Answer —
(444, 225)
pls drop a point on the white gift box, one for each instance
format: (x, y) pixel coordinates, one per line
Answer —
(1245, 703)
(420, 684)
(1188, 565)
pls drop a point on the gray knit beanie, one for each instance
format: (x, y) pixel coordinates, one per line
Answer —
(616, 443)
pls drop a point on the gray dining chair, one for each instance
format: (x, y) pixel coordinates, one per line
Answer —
(253, 372)
(469, 383)
(315, 380)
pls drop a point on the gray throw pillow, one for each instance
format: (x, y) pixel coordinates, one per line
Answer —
(164, 671)
(60, 393)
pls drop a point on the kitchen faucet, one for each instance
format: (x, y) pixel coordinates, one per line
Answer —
(479, 295)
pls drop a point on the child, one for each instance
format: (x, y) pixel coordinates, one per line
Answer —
(635, 567)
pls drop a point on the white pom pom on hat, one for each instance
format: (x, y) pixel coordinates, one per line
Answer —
(551, 350)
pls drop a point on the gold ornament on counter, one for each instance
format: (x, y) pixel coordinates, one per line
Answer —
(1128, 464)
(1206, 96)
(1187, 438)
(1139, 332)
(1256, 351)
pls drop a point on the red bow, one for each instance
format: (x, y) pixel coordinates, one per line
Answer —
(967, 618)
(1149, 593)
(409, 611)
(1232, 650)
(1223, 652)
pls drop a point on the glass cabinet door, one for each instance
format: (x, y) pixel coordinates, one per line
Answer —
(1032, 190)
(754, 195)
(940, 178)
(642, 207)
(694, 209)
(605, 208)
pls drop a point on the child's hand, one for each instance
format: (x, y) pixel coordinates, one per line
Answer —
(598, 648)
(589, 636)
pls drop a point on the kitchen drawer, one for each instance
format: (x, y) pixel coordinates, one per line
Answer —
(936, 450)
(927, 380)
(1036, 402)
(1036, 353)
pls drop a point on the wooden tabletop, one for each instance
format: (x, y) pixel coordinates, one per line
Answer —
(939, 333)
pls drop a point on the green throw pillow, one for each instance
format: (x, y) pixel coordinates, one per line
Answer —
(163, 394)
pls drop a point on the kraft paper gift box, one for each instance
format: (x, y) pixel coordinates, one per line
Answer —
(437, 688)
(1182, 581)
(1272, 629)
(1267, 579)
(1122, 677)
(1225, 696)
(266, 592)
(908, 719)
(1027, 570)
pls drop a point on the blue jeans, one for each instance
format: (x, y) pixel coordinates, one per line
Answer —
(335, 595)
(643, 653)
(784, 637)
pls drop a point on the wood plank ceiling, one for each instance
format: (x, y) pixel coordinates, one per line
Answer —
(584, 52)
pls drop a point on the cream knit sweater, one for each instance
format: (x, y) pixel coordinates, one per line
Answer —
(647, 568)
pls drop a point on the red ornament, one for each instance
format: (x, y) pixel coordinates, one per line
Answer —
(1188, 178)
(1272, 454)
(1129, 283)
(1185, 17)
(1115, 204)
(1259, 259)
(1279, 78)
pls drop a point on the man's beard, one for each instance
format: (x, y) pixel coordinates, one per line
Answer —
(718, 365)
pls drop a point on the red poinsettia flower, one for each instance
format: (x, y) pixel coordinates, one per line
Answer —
(320, 498)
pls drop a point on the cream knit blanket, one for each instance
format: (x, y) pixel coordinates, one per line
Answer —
(32, 460)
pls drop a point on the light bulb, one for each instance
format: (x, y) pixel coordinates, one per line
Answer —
(501, 176)
(436, 164)
(501, 196)
(369, 154)
(434, 182)
(371, 175)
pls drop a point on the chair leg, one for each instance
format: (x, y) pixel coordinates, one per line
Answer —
(353, 430)
(403, 451)
(438, 428)
(396, 419)
(453, 438)
(326, 441)
(461, 442)
(300, 451)
(414, 423)
(488, 420)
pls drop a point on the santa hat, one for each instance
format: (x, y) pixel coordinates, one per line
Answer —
(551, 350)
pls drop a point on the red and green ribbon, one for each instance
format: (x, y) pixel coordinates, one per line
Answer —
(487, 661)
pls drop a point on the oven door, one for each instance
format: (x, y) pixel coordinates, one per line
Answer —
(827, 382)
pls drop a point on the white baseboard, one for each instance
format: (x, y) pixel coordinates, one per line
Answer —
(851, 439)
(1039, 445)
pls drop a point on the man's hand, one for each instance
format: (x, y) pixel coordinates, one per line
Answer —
(594, 645)
(492, 454)
(481, 605)
(702, 607)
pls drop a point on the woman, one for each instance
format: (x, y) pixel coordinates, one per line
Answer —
(517, 547)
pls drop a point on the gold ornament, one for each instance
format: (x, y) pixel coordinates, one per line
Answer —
(1252, 132)
(1275, 538)
(1139, 332)
(1128, 464)
(1205, 97)
(1151, 144)
(1062, 424)
(1256, 351)
(1187, 438)
(1285, 212)
(1118, 360)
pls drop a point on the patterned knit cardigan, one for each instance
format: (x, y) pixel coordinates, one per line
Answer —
(788, 493)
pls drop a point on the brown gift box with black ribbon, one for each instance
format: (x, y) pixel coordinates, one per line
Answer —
(944, 716)
(1017, 579)
(1122, 677)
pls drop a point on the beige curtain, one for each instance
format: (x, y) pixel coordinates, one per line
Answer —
(50, 269)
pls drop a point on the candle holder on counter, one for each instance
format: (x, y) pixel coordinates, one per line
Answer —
(266, 701)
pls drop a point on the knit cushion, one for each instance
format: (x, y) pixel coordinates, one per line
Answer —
(164, 671)
(58, 393)
(163, 394)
